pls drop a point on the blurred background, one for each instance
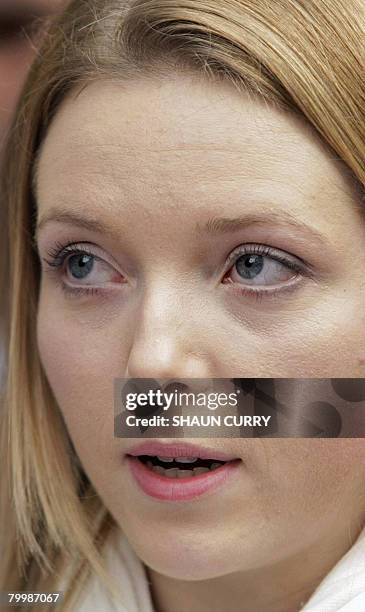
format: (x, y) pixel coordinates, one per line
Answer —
(20, 22)
(20, 32)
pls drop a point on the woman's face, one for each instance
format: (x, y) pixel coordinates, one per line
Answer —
(222, 240)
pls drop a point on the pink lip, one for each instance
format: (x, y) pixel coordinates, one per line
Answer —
(179, 489)
(178, 449)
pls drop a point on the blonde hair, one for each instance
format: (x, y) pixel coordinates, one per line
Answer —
(306, 57)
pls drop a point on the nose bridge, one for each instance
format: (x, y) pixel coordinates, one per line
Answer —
(166, 342)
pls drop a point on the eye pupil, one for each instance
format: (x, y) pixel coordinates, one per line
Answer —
(248, 266)
(81, 265)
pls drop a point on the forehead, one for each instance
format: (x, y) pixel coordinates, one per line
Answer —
(183, 137)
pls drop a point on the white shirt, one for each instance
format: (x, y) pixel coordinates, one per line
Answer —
(129, 573)
(342, 590)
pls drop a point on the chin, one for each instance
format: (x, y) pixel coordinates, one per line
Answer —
(188, 562)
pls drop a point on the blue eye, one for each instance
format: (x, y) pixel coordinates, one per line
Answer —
(76, 263)
(249, 266)
(254, 269)
(261, 269)
(80, 265)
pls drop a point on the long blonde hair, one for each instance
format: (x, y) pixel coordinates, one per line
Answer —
(304, 56)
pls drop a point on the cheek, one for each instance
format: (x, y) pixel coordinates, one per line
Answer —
(323, 342)
(80, 364)
(303, 492)
(316, 478)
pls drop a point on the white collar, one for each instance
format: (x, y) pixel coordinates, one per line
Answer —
(130, 576)
(343, 589)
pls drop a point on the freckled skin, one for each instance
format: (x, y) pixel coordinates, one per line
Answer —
(152, 160)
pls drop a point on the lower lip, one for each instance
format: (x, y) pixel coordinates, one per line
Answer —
(179, 489)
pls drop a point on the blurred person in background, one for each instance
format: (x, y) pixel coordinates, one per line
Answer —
(20, 21)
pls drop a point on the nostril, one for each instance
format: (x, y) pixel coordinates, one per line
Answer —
(180, 387)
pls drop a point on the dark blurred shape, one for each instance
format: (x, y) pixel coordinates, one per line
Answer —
(17, 22)
(20, 22)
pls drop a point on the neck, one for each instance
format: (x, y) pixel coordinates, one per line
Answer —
(282, 587)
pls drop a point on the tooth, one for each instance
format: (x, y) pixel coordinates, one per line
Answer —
(149, 464)
(184, 473)
(171, 472)
(186, 459)
(214, 466)
(166, 459)
(200, 470)
(158, 469)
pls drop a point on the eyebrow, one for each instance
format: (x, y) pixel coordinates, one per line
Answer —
(225, 225)
(214, 227)
(76, 220)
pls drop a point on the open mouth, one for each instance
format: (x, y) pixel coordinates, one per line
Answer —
(180, 467)
(180, 477)
(180, 471)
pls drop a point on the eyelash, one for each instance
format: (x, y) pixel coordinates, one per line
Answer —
(261, 249)
(58, 255)
(60, 252)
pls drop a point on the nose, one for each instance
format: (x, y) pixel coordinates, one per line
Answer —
(168, 340)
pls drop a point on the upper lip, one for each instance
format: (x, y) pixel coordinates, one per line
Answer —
(178, 449)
